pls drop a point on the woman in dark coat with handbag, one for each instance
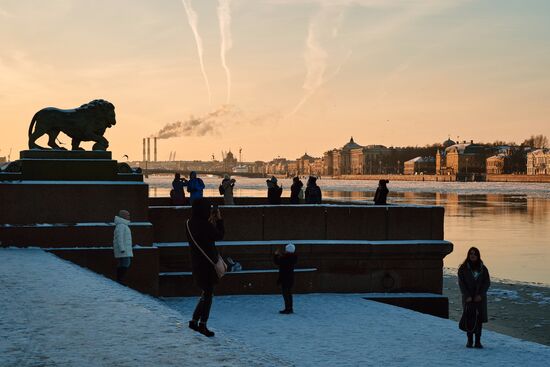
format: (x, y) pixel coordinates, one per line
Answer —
(474, 281)
(203, 229)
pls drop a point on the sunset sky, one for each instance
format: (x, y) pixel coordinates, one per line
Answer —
(285, 76)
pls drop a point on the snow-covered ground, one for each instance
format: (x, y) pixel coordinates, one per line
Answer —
(57, 314)
(54, 313)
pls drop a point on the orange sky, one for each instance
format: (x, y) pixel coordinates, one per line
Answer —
(293, 75)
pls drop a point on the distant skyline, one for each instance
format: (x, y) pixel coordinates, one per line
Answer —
(279, 77)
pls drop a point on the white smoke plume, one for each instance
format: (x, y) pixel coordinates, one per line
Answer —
(224, 19)
(193, 19)
(208, 124)
(216, 122)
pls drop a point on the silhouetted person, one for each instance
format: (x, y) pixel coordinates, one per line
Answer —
(286, 261)
(381, 193)
(295, 190)
(122, 244)
(226, 189)
(178, 193)
(313, 192)
(204, 228)
(274, 191)
(195, 186)
(474, 281)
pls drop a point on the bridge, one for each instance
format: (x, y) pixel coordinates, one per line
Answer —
(185, 172)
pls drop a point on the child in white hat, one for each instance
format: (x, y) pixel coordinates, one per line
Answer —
(286, 261)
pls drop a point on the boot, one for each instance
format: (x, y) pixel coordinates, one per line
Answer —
(204, 330)
(193, 325)
(470, 342)
(286, 311)
(478, 343)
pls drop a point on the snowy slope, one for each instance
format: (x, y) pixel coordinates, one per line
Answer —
(346, 330)
(54, 313)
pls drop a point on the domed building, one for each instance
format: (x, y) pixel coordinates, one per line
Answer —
(354, 159)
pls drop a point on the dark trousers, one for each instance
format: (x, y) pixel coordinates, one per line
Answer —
(287, 296)
(479, 324)
(202, 311)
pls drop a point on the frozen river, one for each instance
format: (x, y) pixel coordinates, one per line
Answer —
(508, 222)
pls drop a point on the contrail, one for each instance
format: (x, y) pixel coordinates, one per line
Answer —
(224, 18)
(192, 17)
(315, 55)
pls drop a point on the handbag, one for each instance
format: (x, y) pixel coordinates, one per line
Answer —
(468, 321)
(220, 266)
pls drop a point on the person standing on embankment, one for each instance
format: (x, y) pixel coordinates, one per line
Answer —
(474, 282)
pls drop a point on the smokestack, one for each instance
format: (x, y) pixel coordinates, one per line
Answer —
(148, 149)
(155, 148)
(144, 157)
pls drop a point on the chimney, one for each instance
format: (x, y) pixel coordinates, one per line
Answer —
(155, 148)
(148, 149)
(144, 156)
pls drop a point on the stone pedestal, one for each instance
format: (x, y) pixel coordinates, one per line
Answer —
(56, 198)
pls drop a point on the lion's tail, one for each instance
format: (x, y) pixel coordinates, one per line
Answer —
(33, 122)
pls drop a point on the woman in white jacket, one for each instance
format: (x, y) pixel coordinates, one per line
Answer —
(122, 244)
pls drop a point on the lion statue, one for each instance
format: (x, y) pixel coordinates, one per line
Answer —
(85, 123)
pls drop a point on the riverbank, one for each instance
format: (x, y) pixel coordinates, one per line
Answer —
(446, 178)
(521, 310)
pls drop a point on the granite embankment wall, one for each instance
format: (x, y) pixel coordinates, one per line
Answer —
(519, 178)
(309, 222)
(446, 178)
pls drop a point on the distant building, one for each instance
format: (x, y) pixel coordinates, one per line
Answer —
(420, 165)
(538, 162)
(496, 164)
(229, 162)
(462, 159)
(303, 165)
(354, 159)
(3, 160)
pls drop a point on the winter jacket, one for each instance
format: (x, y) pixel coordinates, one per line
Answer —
(122, 239)
(286, 262)
(381, 195)
(178, 186)
(313, 195)
(295, 192)
(195, 187)
(227, 185)
(274, 194)
(205, 234)
(471, 286)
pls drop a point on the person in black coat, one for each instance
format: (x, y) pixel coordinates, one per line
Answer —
(286, 261)
(274, 191)
(474, 281)
(381, 193)
(313, 192)
(295, 190)
(203, 229)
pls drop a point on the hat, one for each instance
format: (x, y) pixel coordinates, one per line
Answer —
(273, 179)
(290, 248)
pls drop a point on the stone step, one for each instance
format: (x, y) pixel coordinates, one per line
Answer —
(67, 235)
(260, 281)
